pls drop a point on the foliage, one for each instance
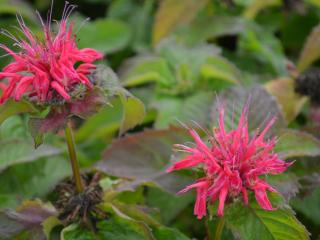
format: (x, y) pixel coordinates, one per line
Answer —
(168, 65)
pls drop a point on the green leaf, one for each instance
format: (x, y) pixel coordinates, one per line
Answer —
(133, 108)
(50, 223)
(102, 125)
(13, 134)
(12, 107)
(172, 13)
(310, 51)
(261, 44)
(11, 155)
(309, 206)
(119, 228)
(289, 102)
(172, 110)
(252, 222)
(33, 179)
(139, 16)
(169, 205)
(73, 232)
(105, 35)
(144, 157)
(115, 228)
(293, 143)
(165, 233)
(220, 73)
(256, 6)
(143, 70)
(206, 28)
(133, 112)
(139, 213)
(6, 7)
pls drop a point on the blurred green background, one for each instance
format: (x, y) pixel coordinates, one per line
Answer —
(176, 56)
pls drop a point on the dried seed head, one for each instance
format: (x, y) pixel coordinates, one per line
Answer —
(308, 84)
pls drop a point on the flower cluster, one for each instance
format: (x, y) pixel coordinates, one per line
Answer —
(232, 165)
(49, 67)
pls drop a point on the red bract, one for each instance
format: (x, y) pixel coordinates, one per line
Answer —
(44, 68)
(232, 165)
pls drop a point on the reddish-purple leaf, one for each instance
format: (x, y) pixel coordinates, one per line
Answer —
(144, 157)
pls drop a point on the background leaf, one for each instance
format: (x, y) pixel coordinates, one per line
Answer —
(12, 107)
(29, 216)
(262, 108)
(294, 143)
(173, 13)
(289, 102)
(144, 157)
(106, 35)
(252, 222)
(310, 51)
(133, 112)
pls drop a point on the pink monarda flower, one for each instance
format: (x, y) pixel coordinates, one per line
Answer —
(232, 165)
(47, 67)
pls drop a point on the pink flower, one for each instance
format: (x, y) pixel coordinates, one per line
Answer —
(47, 68)
(232, 165)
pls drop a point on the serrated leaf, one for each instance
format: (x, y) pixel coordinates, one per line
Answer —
(144, 157)
(293, 143)
(262, 107)
(252, 222)
(105, 35)
(289, 102)
(310, 51)
(12, 107)
(172, 13)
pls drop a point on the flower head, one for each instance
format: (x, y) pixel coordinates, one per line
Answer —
(232, 165)
(47, 68)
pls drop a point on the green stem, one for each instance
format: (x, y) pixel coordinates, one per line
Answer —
(220, 225)
(73, 158)
(208, 232)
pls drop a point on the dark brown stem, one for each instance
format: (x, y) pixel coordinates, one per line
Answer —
(73, 158)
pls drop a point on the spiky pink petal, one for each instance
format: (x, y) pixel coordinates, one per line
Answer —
(45, 69)
(232, 165)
